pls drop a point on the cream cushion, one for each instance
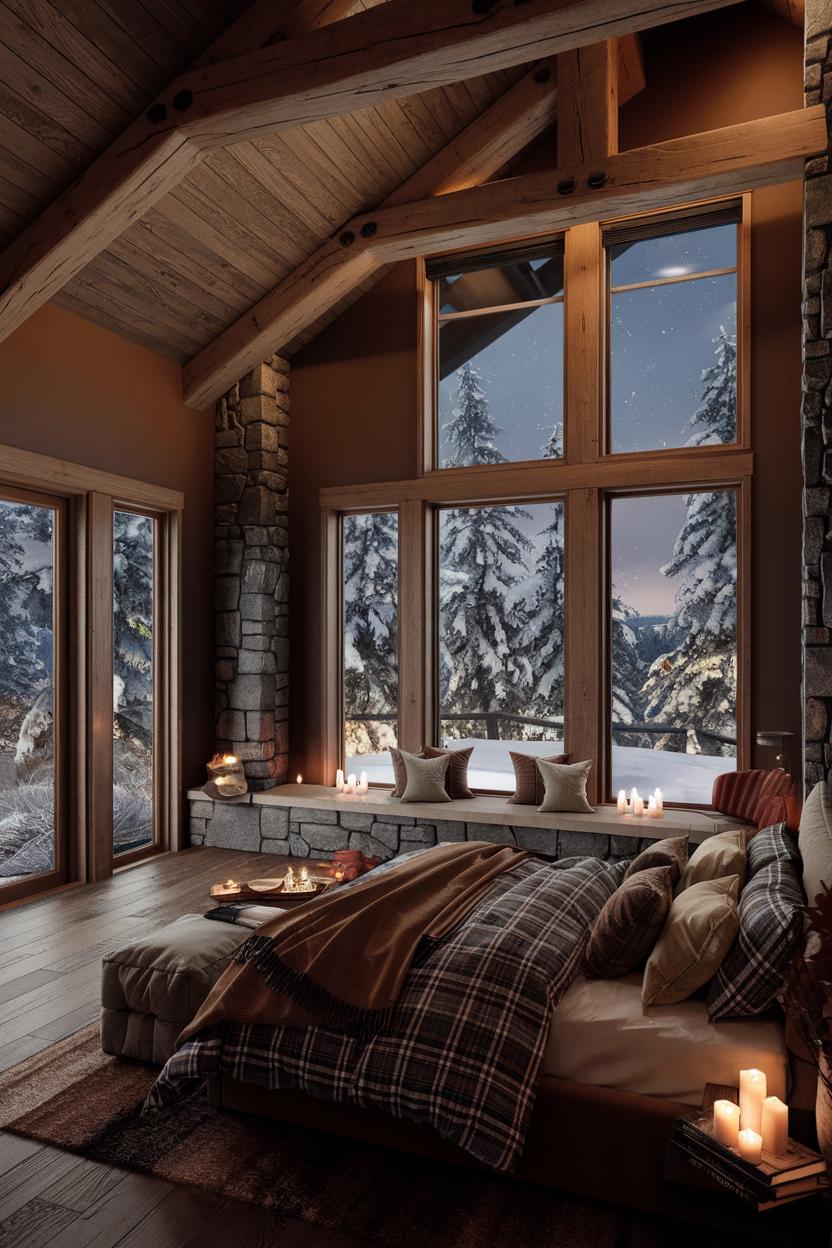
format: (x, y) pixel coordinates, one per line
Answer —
(699, 931)
(814, 839)
(723, 854)
(425, 778)
(565, 787)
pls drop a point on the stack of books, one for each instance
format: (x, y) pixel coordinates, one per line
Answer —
(776, 1181)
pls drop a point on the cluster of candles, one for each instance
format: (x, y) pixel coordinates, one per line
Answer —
(301, 882)
(635, 805)
(758, 1122)
(351, 787)
(226, 771)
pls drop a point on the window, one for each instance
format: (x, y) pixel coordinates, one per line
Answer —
(564, 587)
(500, 359)
(500, 635)
(32, 823)
(370, 563)
(134, 681)
(673, 337)
(674, 642)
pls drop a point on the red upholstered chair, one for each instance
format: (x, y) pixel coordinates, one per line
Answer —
(759, 797)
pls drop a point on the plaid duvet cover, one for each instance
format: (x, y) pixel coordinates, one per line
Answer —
(463, 1050)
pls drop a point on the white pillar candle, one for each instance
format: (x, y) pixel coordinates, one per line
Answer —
(622, 802)
(363, 783)
(752, 1095)
(651, 807)
(726, 1123)
(339, 781)
(775, 1130)
(637, 803)
(750, 1146)
(659, 796)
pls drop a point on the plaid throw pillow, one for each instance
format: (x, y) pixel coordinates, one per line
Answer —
(773, 844)
(752, 974)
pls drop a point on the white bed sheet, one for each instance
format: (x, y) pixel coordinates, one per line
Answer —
(601, 1034)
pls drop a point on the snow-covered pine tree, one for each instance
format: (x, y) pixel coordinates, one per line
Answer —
(543, 612)
(628, 671)
(370, 623)
(483, 559)
(694, 686)
(133, 625)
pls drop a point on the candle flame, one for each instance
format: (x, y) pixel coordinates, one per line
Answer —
(300, 778)
(229, 759)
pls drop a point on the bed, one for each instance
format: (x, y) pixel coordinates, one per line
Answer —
(612, 1079)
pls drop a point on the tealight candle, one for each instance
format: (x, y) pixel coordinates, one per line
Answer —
(622, 801)
(775, 1126)
(752, 1095)
(750, 1146)
(726, 1123)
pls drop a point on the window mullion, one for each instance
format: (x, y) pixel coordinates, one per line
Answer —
(583, 379)
(584, 634)
(415, 616)
(100, 686)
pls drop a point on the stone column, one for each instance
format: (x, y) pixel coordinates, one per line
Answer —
(251, 585)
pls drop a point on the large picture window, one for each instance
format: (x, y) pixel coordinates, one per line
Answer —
(500, 634)
(370, 563)
(575, 553)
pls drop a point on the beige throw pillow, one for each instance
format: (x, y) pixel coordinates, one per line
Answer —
(699, 931)
(723, 854)
(425, 778)
(565, 787)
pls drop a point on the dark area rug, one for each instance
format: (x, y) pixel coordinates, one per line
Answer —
(74, 1097)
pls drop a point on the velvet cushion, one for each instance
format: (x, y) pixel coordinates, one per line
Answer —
(425, 778)
(720, 855)
(631, 919)
(777, 801)
(752, 975)
(672, 852)
(737, 793)
(529, 788)
(565, 787)
(456, 780)
(699, 931)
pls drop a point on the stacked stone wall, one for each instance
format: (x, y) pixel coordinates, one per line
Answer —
(251, 573)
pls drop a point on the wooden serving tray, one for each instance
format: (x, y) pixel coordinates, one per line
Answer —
(269, 897)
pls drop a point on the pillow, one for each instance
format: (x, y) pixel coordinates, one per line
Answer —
(723, 854)
(456, 780)
(815, 841)
(776, 800)
(670, 853)
(425, 778)
(565, 787)
(529, 789)
(631, 919)
(752, 975)
(774, 844)
(699, 931)
(737, 793)
(399, 771)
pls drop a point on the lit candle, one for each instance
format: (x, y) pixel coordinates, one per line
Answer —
(363, 783)
(726, 1123)
(752, 1095)
(230, 884)
(659, 796)
(775, 1122)
(299, 779)
(651, 807)
(289, 882)
(636, 803)
(229, 760)
(750, 1146)
(622, 802)
(339, 781)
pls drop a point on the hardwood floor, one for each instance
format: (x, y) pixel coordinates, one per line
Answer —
(50, 964)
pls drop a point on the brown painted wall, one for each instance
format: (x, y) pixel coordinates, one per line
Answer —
(354, 415)
(78, 392)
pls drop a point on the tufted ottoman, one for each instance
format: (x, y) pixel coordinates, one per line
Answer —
(153, 988)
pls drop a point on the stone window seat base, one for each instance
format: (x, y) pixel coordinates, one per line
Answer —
(313, 820)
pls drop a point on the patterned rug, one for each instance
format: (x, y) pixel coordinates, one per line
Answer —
(72, 1096)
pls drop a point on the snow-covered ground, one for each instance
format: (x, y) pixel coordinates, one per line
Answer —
(681, 777)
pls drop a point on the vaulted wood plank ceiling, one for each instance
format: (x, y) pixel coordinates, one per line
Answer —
(75, 73)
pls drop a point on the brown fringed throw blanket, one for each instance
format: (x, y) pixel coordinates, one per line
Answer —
(426, 992)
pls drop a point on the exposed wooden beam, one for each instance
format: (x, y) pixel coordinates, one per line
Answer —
(698, 166)
(388, 52)
(137, 170)
(588, 104)
(519, 116)
(631, 76)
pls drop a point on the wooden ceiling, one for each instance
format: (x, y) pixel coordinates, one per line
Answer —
(75, 73)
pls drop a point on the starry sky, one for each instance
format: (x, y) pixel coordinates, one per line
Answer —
(643, 531)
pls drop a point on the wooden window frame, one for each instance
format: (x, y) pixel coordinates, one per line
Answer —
(90, 496)
(585, 478)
